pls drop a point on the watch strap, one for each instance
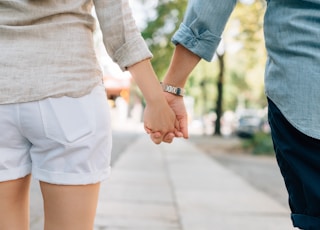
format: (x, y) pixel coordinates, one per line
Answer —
(172, 89)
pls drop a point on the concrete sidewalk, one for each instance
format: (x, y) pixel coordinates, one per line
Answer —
(178, 187)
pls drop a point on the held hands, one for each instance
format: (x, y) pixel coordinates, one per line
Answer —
(159, 117)
(159, 122)
(182, 63)
(165, 115)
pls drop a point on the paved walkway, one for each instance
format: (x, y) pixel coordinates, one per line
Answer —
(178, 187)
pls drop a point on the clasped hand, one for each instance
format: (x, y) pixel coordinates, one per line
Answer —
(166, 120)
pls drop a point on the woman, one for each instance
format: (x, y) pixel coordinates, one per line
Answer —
(54, 117)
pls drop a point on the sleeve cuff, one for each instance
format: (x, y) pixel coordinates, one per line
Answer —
(202, 44)
(132, 52)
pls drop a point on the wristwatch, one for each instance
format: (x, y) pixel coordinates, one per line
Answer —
(172, 89)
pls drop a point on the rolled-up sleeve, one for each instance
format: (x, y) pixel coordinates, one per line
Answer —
(121, 36)
(203, 25)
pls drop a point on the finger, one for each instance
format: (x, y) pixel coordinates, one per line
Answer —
(178, 134)
(148, 131)
(156, 137)
(156, 140)
(177, 124)
(168, 141)
(168, 138)
(184, 127)
(177, 131)
(156, 134)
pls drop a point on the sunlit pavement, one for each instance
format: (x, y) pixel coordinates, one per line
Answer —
(175, 187)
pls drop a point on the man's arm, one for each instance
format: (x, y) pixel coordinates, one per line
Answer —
(203, 24)
(197, 38)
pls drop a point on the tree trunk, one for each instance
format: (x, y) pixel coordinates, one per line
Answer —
(220, 95)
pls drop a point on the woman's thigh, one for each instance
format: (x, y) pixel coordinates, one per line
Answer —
(14, 200)
(71, 207)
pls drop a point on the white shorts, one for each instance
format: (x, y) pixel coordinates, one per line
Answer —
(59, 140)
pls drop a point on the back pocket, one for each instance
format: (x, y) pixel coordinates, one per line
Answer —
(68, 120)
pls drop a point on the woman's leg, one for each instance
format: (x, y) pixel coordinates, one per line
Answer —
(14, 204)
(69, 207)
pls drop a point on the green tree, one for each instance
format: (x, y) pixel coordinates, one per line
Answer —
(220, 83)
(249, 60)
(158, 33)
(248, 20)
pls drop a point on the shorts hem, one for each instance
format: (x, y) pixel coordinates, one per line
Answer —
(62, 178)
(15, 173)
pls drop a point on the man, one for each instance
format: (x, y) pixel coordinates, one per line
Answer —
(292, 86)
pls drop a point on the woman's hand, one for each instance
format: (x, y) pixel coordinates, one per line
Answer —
(160, 121)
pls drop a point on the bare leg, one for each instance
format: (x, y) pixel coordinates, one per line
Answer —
(69, 207)
(14, 204)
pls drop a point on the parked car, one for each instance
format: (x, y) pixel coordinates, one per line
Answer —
(249, 122)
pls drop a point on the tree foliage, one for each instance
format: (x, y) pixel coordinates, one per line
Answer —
(250, 18)
(247, 63)
(159, 31)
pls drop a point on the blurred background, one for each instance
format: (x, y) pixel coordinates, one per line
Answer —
(224, 97)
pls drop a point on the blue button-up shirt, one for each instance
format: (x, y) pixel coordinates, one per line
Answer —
(292, 35)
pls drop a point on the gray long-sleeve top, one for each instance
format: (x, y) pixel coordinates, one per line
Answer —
(47, 49)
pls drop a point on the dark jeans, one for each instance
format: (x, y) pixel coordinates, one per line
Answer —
(298, 157)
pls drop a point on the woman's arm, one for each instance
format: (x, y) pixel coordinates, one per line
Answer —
(121, 36)
(128, 49)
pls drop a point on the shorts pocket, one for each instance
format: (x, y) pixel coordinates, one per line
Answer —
(68, 120)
